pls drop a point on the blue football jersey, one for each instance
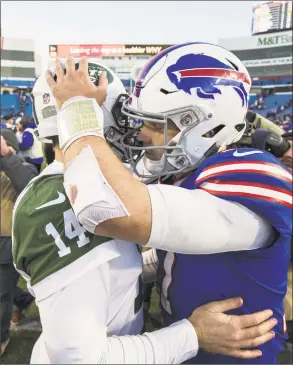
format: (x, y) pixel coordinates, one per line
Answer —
(258, 181)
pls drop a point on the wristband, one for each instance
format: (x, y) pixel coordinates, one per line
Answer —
(79, 117)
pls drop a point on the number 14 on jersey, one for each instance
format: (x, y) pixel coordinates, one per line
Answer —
(72, 229)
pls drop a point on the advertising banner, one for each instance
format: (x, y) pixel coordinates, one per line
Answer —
(105, 50)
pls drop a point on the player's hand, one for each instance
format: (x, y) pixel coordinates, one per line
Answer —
(287, 158)
(231, 335)
(289, 153)
(76, 82)
(4, 149)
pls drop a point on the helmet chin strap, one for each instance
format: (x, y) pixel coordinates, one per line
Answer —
(154, 167)
(211, 151)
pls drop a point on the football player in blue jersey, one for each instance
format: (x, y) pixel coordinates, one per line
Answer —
(232, 209)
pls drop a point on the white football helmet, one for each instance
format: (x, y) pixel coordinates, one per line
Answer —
(203, 89)
(45, 108)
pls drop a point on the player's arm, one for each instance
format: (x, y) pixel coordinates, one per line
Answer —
(74, 322)
(166, 217)
(203, 223)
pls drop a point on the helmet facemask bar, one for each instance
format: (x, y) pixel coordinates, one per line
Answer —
(114, 136)
(175, 160)
(135, 153)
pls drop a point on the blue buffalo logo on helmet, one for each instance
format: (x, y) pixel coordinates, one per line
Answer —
(205, 73)
(46, 98)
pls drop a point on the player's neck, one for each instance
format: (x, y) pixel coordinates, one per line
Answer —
(59, 156)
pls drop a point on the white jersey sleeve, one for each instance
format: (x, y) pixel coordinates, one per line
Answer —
(74, 322)
(196, 222)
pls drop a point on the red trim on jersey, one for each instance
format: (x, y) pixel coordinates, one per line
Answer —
(256, 185)
(249, 195)
(258, 163)
(287, 179)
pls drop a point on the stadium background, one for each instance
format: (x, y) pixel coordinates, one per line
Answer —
(267, 54)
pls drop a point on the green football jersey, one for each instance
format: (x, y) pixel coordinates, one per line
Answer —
(47, 237)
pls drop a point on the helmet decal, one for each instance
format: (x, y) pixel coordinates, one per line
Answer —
(205, 74)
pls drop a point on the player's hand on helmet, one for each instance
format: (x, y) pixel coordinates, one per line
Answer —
(76, 82)
(232, 335)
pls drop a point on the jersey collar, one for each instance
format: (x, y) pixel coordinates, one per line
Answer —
(54, 168)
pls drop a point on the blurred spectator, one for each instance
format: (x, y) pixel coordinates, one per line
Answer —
(8, 123)
(18, 117)
(30, 146)
(3, 122)
(18, 133)
(24, 98)
(287, 125)
(259, 102)
(12, 111)
(15, 175)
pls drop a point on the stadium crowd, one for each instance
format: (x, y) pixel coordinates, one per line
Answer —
(281, 115)
(23, 157)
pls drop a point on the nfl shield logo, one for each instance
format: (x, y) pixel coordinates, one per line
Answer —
(46, 98)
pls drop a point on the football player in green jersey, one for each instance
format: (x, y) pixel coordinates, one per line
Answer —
(88, 288)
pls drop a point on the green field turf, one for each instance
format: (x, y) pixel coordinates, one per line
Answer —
(22, 341)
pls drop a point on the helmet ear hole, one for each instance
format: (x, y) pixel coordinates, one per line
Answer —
(239, 127)
(214, 131)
